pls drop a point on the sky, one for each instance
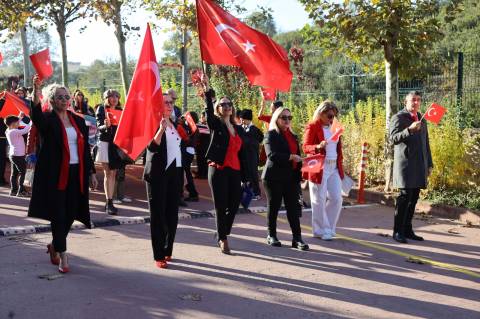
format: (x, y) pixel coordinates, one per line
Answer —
(98, 41)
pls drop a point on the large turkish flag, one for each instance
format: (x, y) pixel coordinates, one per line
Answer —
(13, 105)
(144, 105)
(227, 41)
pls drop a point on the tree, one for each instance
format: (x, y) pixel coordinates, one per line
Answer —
(61, 13)
(111, 13)
(262, 20)
(402, 30)
(14, 18)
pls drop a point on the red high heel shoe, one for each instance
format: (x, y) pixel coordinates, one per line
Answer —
(161, 264)
(54, 258)
(168, 258)
(64, 268)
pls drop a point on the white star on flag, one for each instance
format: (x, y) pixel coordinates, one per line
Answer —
(249, 46)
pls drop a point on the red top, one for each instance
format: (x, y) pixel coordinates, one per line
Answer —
(292, 144)
(265, 118)
(312, 137)
(231, 158)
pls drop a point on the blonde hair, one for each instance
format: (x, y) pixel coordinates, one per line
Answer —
(325, 106)
(273, 122)
(49, 91)
(217, 106)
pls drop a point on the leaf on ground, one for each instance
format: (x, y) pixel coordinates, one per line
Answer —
(192, 296)
(383, 234)
(453, 231)
(50, 276)
(415, 260)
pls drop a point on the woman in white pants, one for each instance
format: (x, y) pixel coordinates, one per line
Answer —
(325, 185)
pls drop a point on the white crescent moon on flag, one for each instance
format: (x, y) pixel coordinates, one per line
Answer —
(431, 109)
(222, 27)
(312, 163)
(152, 66)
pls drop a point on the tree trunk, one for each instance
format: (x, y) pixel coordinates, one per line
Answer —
(61, 28)
(26, 69)
(392, 103)
(121, 48)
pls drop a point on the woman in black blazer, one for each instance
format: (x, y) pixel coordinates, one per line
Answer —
(60, 185)
(227, 164)
(281, 177)
(163, 168)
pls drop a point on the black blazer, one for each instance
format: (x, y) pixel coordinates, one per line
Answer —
(43, 203)
(155, 161)
(220, 137)
(278, 166)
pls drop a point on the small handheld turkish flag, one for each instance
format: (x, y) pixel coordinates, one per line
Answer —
(435, 113)
(1, 58)
(269, 94)
(313, 164)
(114, 116)
(42, 64)
(337, 130)
(191, 123)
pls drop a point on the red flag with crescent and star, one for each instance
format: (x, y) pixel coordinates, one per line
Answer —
(13, 105)
(435, 113)
(114, 116)
(313, 164)
(144, 104)
(42, 63)
(269, 94)
(225, 40)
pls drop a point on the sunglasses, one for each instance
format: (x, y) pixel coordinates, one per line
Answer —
(286, 118)
(226, 105)
(62, 97)
(168, 102)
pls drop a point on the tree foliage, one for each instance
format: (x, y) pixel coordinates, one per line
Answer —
(402, 30)
(262, 20)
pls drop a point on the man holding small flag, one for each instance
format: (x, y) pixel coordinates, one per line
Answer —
(412, 163)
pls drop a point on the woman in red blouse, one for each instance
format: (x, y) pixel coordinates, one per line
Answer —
(227, 164)
(317, 140)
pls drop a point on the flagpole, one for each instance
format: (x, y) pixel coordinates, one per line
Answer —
(426, 111)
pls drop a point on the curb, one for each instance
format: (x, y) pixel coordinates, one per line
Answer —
(113, 221)
(464, 215)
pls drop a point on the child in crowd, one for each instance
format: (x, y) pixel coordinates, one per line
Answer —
(16, 153)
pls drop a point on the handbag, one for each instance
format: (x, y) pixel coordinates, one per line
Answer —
(28, 182)
(247, 196)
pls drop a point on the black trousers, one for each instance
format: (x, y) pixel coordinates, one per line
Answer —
(202, 165)
(254, 173)
(187, 160)
(17, 175)
(67, 204)
(163, 198)
(404, 210)
(288, 191)
(3, 159)
(226, 192)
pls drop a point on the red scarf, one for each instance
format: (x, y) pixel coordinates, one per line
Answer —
(292, 144)
(64, 166)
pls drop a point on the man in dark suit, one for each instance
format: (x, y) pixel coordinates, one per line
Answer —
(412, 164)
(254, 138)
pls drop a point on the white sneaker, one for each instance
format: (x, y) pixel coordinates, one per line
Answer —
(126, 199)
(327, 236)
(117, 201)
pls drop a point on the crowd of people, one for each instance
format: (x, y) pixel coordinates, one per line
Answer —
(228, 149)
